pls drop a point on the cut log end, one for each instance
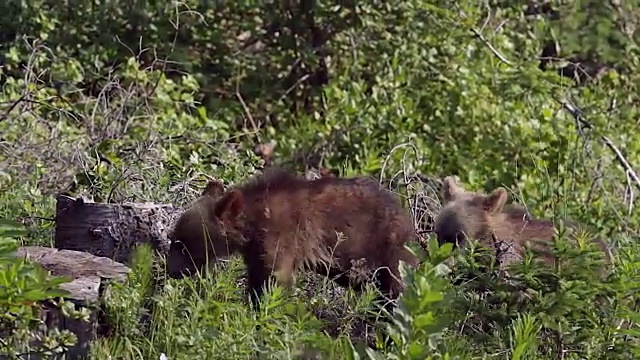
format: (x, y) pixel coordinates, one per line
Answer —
(112, 230)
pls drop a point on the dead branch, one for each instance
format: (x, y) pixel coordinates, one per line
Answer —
(583, 124)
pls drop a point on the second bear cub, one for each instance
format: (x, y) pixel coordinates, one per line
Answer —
(487, 218)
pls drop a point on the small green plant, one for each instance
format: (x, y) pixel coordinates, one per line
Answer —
(418, 325)
(575, 307)
(23, 288)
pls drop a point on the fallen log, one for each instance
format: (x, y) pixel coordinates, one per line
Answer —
(90, 277)
(112, 230)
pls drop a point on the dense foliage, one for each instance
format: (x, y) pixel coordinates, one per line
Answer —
(138, 101)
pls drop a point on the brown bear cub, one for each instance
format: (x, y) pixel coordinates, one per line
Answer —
(280, 222)
(488, 219)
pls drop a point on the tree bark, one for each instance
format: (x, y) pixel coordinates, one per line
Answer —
(112, 230)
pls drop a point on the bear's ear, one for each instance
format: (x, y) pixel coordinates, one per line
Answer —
(229, 206)
(214, 189)
(451, 189)
(494, 202)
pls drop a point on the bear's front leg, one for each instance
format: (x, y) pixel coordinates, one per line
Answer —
(257, 275)
(283, 271)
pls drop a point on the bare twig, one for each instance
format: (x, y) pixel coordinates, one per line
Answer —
(583, 124)
(479, 35)
(246, 110)
(623, 161)
(15, 103)
(421, 205)
(493, 49)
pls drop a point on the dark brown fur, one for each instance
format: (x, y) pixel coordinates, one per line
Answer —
(280, 222)
(487, 218)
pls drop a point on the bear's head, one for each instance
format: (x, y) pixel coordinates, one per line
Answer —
(207, 231)
(467, 215)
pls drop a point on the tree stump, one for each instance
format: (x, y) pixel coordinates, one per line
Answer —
(112, 230)
(88, 274)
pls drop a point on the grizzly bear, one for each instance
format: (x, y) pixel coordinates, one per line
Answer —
(488, 219)
(280, 222)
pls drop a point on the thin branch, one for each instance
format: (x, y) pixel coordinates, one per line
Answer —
(583, 124)
(482, 38)
(247, 112)
(493, 49)
(13, 106)
(623, 161)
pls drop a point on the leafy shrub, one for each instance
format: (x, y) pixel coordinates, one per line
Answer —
(23, 288)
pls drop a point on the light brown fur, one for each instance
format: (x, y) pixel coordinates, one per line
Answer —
(488, 219)
(280, 223)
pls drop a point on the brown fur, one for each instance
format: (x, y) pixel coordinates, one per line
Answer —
(487, 218)
(280, 223)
